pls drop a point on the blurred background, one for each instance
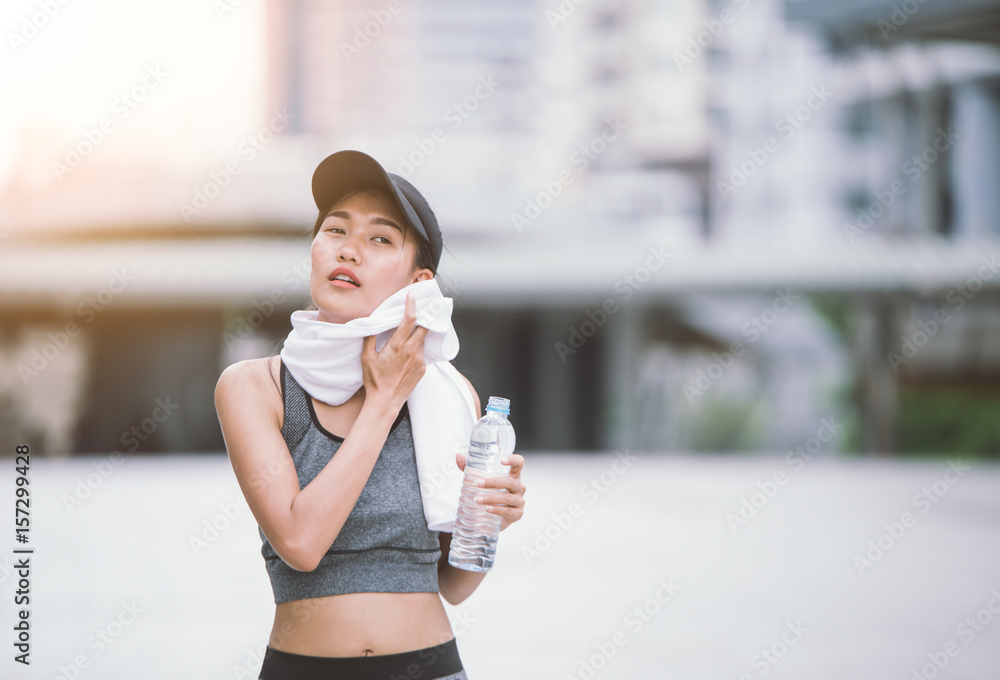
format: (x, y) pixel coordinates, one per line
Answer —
(626, 189)
(731, 239)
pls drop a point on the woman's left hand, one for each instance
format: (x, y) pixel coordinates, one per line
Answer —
(509, 504)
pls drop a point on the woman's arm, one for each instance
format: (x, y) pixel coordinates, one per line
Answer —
(301, 525)
(455, 584)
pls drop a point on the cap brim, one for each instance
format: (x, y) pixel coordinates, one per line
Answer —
(346, 171)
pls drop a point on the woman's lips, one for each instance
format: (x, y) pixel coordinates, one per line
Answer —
(343, 284)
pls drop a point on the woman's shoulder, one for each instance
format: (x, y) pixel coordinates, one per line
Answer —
(251, 378)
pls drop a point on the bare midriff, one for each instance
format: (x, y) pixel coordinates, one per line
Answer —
(360, 624)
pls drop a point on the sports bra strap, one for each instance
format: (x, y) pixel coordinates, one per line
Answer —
(296, 419)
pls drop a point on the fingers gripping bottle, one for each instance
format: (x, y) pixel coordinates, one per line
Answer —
(474, 540)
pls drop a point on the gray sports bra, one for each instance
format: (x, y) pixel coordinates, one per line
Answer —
(385, 545)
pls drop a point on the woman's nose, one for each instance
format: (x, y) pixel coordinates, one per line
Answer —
(351, 248)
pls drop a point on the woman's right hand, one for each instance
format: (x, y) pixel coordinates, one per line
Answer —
(390, 374)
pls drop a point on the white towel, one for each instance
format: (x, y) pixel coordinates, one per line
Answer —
(325, 358)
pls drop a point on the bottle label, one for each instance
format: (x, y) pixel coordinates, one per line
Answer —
(483, 457)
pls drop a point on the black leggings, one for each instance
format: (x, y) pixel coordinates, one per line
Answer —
(430, 663)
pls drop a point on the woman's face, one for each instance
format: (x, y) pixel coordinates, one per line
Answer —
(363, 234)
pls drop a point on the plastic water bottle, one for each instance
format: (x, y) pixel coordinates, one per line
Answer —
(474, 540)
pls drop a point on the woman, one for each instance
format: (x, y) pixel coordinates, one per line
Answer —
(355, 570)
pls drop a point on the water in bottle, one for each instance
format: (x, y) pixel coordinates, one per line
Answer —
(474, 540)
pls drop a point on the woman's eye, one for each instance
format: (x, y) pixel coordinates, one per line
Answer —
(334, 229)
(384, 239)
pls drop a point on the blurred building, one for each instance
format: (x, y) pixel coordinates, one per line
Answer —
(910, 157)
(483, 108)
(645, 208)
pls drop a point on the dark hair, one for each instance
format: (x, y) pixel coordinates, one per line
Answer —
(424, 258)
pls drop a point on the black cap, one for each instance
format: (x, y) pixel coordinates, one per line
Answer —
(346, 171)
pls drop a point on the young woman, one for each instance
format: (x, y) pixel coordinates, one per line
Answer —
(357, 575)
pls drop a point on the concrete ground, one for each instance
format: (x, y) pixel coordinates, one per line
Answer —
(654, 566)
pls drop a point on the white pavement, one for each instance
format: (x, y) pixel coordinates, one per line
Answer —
(645, 577)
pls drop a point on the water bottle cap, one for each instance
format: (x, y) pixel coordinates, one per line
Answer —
(499, 405)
